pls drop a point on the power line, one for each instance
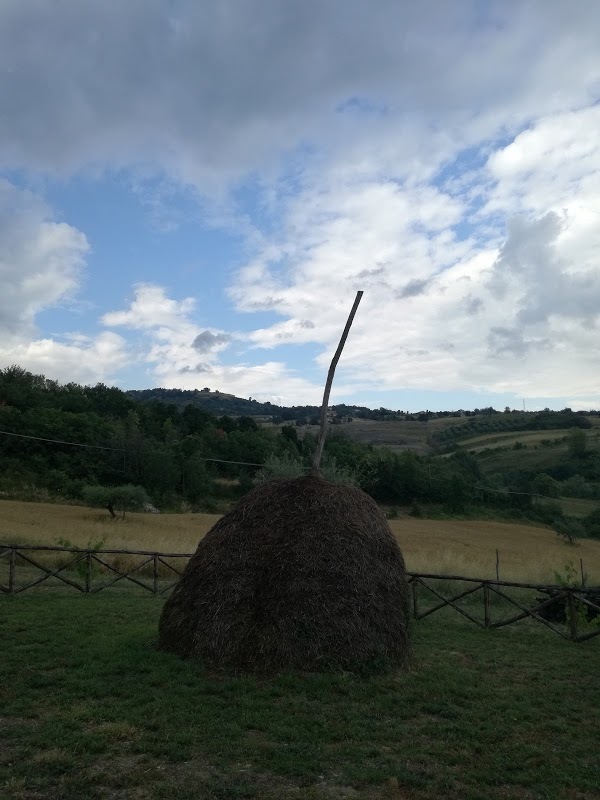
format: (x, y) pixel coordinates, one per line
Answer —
(242, 463)
(60, 441)
(119, 449)
(511, 491)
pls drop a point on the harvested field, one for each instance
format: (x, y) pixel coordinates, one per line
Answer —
(466, 547)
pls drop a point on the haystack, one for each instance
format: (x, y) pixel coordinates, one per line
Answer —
(302, 574)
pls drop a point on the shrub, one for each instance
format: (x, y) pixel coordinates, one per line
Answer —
(569, 529)
(545, 485)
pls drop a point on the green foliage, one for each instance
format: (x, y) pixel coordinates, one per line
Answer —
(577, 443)
(123, 498)
(569, 528)
(198, 482)
(284, 466)
(81, 568)
(168, 448)
(572, 578)
(491, 423)
(577, 486)
(545, 485)
(591, 523)
(336, 473)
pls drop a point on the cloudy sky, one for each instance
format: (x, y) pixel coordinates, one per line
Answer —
(192, 192)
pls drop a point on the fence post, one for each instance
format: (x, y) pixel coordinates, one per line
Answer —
(11, 570)
(572, 614)
(155, 573)
(486, 605)
(582, 572)
(88, 572)
(497, 565)
(415, 595)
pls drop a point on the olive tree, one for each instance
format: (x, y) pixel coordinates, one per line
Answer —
(123, 498)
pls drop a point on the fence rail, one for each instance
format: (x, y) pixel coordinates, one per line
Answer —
(573, 612)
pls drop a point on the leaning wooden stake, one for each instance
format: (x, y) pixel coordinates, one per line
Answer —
(316, 465)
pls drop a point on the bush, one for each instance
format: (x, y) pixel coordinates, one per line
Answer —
(576, 486)
(287, 466)
(569, 528)
(280, 467)
(591, 523)
(545, 485)
(548, 513)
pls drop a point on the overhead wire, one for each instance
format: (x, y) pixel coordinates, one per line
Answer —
(118, 449)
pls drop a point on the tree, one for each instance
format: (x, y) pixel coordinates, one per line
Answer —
(123, 498)
(289, 432)
(545, 485)
(198, 482)
(569, 529)
(577, 443)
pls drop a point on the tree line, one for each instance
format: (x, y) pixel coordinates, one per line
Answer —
(180, 455)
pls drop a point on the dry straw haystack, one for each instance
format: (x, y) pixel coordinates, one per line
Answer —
(301, 574)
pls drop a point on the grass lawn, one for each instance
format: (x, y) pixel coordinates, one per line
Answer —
(89, 710)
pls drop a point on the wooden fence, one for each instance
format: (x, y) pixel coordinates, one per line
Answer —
(572, 612)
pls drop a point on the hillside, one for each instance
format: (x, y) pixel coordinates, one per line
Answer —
(82, 443)
(214, 401)
(396, 435)
(221, 403)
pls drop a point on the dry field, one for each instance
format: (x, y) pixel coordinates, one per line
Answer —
(460, 547)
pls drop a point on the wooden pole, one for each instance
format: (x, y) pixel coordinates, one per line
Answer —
(572, 614)
(486, 604)
(11, 570)
(497, 565)
(88, 572)
(316, 465)
(415, 596)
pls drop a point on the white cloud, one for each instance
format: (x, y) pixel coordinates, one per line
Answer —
(183, 354)
(41, 265)
(411, 133)
(213, 89)
(40, 260)
(151, 308)
(441, 312)
(84, 360)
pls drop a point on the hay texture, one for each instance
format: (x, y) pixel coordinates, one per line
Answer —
(302, 574)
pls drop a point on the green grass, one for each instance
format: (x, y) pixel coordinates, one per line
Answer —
(499, 460)
(90, 710)
(508, 438)
(576, 507)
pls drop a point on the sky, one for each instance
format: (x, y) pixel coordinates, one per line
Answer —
(193, 191)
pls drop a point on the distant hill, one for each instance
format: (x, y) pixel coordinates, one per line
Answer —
(222, 403)
(216, 402)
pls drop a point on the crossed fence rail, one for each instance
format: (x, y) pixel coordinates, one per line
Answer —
(579, 603)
